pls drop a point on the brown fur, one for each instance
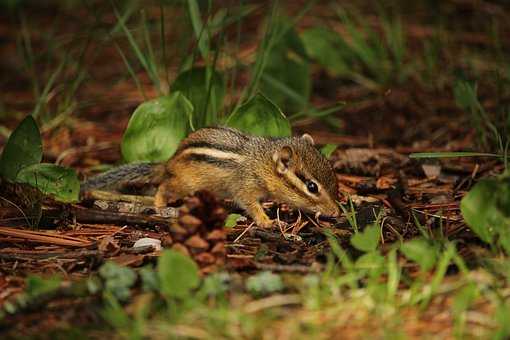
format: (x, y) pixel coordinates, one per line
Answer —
(249, 169)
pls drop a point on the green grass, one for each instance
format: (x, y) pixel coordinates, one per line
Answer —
(388, 291)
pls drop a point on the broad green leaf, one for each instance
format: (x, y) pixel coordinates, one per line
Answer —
(368, 239)
(328, 48)
(23, 148)
(118, 280)
(328, 149)
(205, 91)
(156, 128)
(259, 116)
(264, 283)
(231, 220)
(486, 209)
(478, 208)
(178, 274)
(60, 182)
(420, 251)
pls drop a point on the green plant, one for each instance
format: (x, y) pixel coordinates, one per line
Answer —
(467, 99)
(205, 89)
(178, 275)
(156, 128)
(20, 163)
(486, 209)
(117, 280)
(264, 283)
(261, 117)
(55, 99)
(286, 76)
(371, 59)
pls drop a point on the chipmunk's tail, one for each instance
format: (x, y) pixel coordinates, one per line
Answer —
(134, 175)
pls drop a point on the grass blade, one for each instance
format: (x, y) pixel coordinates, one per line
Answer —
(418, 155)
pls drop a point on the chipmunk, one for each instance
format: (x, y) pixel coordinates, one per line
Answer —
(241, 167)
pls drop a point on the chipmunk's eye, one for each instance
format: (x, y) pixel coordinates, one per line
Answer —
(312, 186)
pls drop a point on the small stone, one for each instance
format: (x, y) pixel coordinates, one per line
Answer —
(431, 170)
(147, 241)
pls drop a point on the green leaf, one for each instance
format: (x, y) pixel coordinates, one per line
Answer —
(231, 220)
(156, 128)
(205, 91)
(328, 149)
(118, 280)
(264, 283)
(60, 182)
(421, 252)
(372, 261)
(178, 274)
(23, 148)
(368, 239)
(478, 208)
(259, 116)
(328, 48)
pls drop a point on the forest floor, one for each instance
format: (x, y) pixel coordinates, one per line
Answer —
(321, 290)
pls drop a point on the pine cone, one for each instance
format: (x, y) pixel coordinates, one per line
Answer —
(199, 231)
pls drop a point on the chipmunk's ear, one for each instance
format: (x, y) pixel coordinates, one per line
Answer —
(282, 158)
(308, 138)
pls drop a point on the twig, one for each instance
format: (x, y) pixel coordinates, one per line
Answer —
(244, 232)
(45, 237)
(85, 215)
